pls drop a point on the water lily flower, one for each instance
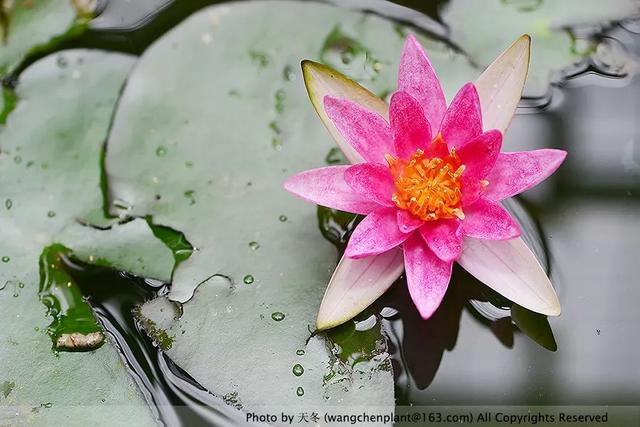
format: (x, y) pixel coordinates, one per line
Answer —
(429, 179)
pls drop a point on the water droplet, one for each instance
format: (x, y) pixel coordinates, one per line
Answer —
(189, 194)
(277, 316)
(21, 285)
(335, 157)
(288, 73)
(8, 203)
(347, 57)
(161, 151)
(297, 370)
(254, 245)
(300, 352)
(61, 61)
(17, 160)
(344, 53)
(37, 329)
(273, 125)
(280, 96)
(51, 214)
(300, 391)
(16, 295)
(206, 38)
(248, 279)
(276, 144)
(283, 218)
(259, 58)
(6, 259)
(46, 405)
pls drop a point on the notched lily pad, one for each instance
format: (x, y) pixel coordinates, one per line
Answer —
(50, 173)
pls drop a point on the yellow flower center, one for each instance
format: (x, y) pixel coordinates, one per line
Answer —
(429, 188)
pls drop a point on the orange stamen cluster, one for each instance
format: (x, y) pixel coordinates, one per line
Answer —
(429, 188)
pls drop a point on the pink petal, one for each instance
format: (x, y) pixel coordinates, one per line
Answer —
(407, 222)
(410, 128)
(327, 187)
(355, 284)
(377, 233)
(486, 219)
(480, 154)
(368, 132)
(443, 237)
(320, 81)
(417, 77)
(427, 275)
(516, 172)
(501, 84)
(371, 181)
(478, 157)
(463, 121)
(510, 268)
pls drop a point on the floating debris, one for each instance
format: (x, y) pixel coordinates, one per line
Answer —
(78, 341)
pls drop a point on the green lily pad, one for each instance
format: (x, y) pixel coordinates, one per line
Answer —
(212, 120)
(561, 31)
(51, 151)
(29, 26)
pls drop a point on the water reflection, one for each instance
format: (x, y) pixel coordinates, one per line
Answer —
(418, 346)
(174, 397)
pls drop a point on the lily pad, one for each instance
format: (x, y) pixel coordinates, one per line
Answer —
(213, 119)
(27, 26)
(561, 31)
(50, 187)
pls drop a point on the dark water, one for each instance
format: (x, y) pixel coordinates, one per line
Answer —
(583, 224)
(174, 397)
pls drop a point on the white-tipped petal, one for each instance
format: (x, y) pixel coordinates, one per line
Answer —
(320, 81)
(500, 86)
(356, 284)
(511, 269)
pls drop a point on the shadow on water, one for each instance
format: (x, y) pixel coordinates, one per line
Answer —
(417, 346)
